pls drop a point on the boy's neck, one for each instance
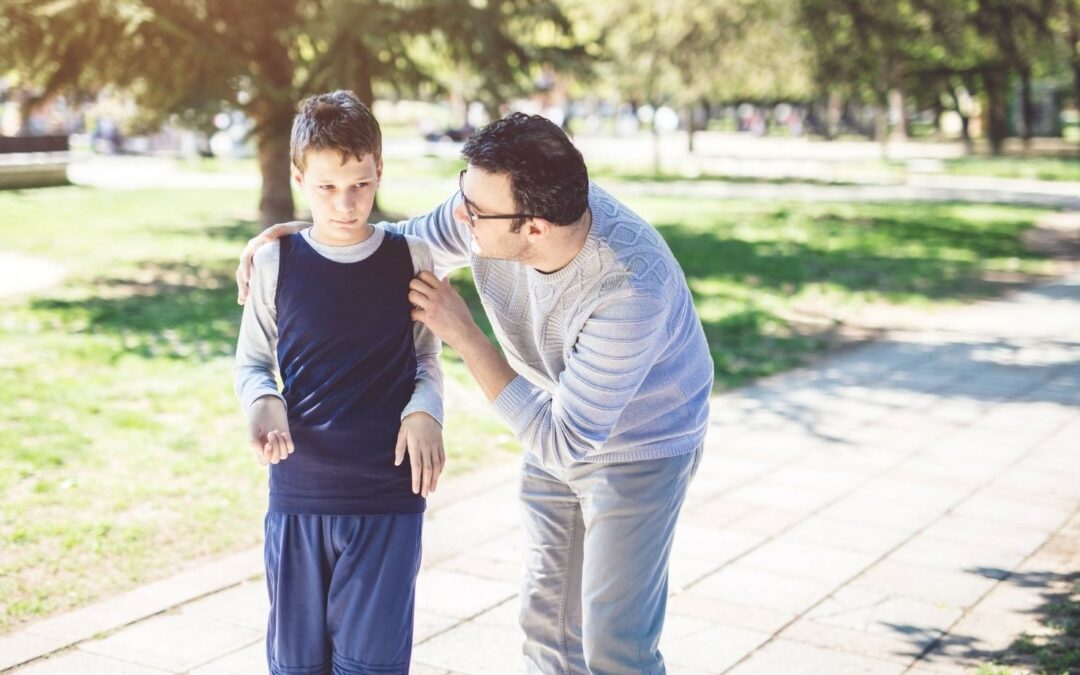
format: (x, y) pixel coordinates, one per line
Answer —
(320, 236)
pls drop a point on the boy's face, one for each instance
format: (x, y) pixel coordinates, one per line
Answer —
(340, 195)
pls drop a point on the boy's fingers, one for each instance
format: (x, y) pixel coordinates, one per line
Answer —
(417, 469)
(399, 449)
(288, 441)
(271, 447)
(436, 470)
(256, 446)
(425, 487)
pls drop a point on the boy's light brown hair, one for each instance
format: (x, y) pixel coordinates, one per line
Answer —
(334, 121)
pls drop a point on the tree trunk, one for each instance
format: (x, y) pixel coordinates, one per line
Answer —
(1027, 107)
(365, 91)
(965, 122)
(1073, 15)
(656, 147)
(832, 116)
(996, 116)
(691, 127)
(896, 110)
(272, 106)
(881, 123)
(275, 202)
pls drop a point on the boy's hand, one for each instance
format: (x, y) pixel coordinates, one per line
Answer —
(421, 435)
(247, 256)
(268, 430)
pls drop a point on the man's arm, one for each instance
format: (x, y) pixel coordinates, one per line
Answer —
(450, 242)
(613, 354)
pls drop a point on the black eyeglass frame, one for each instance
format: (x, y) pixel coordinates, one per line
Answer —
(473, 216)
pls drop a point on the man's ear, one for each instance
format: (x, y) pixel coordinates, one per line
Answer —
(536, 228)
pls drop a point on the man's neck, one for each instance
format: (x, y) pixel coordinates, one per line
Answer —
(570, 243)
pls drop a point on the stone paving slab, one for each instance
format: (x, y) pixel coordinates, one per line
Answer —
(174, 642)
(899, 507)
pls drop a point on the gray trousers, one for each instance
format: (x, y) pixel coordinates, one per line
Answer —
(597, 543)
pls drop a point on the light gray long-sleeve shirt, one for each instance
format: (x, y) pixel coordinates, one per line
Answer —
(256, 349)
(612, 360)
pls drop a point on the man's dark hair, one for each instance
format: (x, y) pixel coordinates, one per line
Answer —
(335, 121)
(548, 177)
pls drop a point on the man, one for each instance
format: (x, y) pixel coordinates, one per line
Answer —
(606, 382)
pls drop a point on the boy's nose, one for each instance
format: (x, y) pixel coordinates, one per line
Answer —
(344, 204)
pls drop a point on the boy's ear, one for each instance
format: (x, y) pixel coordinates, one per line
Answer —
(378, 170)
(298, 176)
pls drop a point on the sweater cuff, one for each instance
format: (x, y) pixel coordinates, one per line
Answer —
(250, 399)
(435, 411)
(514, 404)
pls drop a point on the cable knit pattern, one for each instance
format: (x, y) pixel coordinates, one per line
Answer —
(612, 360)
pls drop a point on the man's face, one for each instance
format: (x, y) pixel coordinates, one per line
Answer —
(340, 195)
(489, 194)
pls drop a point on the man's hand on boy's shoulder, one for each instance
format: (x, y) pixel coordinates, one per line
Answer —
(247, 256)
(421, 437)
(268, 430)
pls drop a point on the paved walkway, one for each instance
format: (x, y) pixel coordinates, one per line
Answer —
(902, 507)
(20, 274)
(130, 173)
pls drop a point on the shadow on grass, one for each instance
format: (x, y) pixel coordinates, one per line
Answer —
(927, 256)
(179, 309)
(166, 309)
(952, 263)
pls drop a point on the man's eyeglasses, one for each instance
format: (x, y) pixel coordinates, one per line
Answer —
(469, 206)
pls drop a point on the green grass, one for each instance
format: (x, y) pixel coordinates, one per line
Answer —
(612, 173)
(1034, 168)
(1055, 649)
(122, 452)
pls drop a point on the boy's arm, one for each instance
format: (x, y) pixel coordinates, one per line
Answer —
(421, 421)
(256, 348)
(428, 394)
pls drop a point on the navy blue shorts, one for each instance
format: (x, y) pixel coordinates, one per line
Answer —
(342, 593)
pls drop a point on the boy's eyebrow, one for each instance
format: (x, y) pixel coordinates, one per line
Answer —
(355, 179)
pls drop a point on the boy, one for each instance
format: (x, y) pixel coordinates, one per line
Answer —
(362, 386)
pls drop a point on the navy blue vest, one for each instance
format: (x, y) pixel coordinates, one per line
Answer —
(348, 360)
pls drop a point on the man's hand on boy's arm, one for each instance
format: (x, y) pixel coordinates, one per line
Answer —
(441, 308)
(421, 436)
(268, 430)
(247, 256)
